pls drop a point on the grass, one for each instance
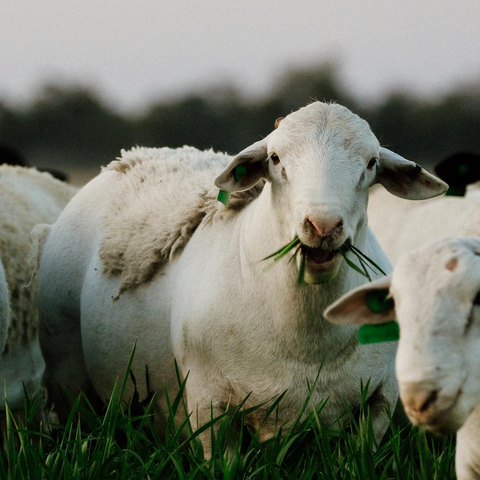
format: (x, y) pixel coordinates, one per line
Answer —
(364, 263)
(122, 443)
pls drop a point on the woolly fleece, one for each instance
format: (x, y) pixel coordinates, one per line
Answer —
(27, 198)
(162, 196)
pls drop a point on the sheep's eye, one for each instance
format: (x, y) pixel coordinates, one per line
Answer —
(468, 324)
(371, 163)
(476, 301)
(275, 159)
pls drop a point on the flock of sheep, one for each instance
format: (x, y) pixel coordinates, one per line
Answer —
(145, 253)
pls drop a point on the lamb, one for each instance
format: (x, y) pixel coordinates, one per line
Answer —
(27, 198)
(434, 295)
(185, 280)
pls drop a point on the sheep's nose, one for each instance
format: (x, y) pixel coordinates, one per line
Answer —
(324, 227)
(419, 401)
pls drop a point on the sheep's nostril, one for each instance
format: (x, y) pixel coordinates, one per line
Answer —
(419, 400)
(432, 398)
(324, 227)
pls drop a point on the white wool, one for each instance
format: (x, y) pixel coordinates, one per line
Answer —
(213, 306)
(402, 226)
(4, 308)
(163, 195)
(436, 301)
(27, 198)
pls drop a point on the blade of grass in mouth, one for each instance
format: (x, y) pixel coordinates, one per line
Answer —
(366, 333)
(364, 261)
(368, 259)
(284, 250)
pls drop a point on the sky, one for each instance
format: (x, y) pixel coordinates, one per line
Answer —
(134, 52)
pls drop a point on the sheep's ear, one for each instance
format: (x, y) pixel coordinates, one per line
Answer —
(407, 179)
(246, 169)
(369, 303)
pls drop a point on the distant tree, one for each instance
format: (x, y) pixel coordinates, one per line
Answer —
(72, 127)
(72, 121)
(397, 123)
(301, 85)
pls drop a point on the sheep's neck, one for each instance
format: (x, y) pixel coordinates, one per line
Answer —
(297, 309)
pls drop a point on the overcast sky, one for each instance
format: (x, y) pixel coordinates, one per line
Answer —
(134, 51)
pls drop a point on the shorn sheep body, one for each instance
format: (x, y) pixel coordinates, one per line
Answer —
(27, 198)
(145, 253)
(435, 297)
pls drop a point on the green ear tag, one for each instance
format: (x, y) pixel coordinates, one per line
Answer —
(384, 332)
(378, 301)
(464, 170)
(223, 197)
(454, 191)
(240, 171)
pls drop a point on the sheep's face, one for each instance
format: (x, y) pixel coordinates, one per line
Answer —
(436, 303)
(436, 292)
(319, 164)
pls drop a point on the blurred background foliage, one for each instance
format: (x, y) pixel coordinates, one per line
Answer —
(73, 129)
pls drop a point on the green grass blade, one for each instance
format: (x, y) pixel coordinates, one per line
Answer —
(351, 264)
(301, 271)
(284, 250)
(368, 259)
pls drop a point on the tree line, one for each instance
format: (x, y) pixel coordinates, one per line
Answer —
(72, 128)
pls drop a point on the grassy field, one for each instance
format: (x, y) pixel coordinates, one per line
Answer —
(122, 443)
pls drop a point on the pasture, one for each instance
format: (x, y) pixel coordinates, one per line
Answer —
(122, 443)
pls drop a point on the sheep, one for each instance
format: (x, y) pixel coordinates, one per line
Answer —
(145, 253)
(12, 156)
(4, 308)
(401, 226)
(27, 198)
(434, 296)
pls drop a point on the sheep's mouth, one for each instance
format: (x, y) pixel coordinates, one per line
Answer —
(322, 264)
(318, 256)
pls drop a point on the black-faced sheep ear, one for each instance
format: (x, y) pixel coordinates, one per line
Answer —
(245, 170)
(407, 179)
(459, 170)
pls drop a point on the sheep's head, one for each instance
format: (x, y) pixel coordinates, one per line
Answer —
(436, 301)
(319, 164)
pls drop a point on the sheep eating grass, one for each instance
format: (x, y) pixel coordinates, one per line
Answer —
(436, 301)
(145, 253)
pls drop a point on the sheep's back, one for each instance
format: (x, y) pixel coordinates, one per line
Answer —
(161, 197)
(401, 225)
(27, 198)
